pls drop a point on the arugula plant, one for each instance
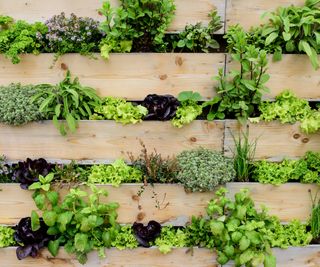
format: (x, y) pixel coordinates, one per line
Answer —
(188, 110)
(69, 101)
(81, 222)
(137, 24)
(241, 90)
(20, 37)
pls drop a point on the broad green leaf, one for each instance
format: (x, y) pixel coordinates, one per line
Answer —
(35, 221)
(49, 217)
(244, 243)
(80, 241)
(246, 256)
(270, 261)
(53, 197)
(40, 201)
(53, 247)
(71, 122)
(286, 36)
(35, 186)
(271, 38)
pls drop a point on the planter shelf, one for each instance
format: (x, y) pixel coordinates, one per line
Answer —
(145, 257)
(187, 11)
(158, 73)
(105, 141)
(176, 207)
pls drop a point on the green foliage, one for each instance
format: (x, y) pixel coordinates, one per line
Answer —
(203, 170)
(118, 109)
(188, 110)
(20, 37)
(80, 221)
(290, 29)
(16, 107)
(124, 238)
(294, 234)
(315, 216)
(6, 237)
(69, 101)
(288, 108)
(241, 90)
(137, 24)
(71, 173)
(243, 156)
(197, 38)
(199, 233)
(155, 168)
(305, 170)
(116, 173)
(237, 230)
(171, 238)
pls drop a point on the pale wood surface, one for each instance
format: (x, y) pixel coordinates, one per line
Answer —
(187, 11)
(145, 257)
(275, 141)
(106, 140)
(176, 207)
(132, 76)
(293, 72)
(248, 13)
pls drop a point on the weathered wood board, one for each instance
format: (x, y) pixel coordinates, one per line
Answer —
(275, 141)
(145, 257)
(248, 13)
(171, 204)
(106, 140)
(293, 72)
(187, 11)
(132, 76)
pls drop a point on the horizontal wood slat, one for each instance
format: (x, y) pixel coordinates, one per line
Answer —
(176, 207)
(145, 257)
(275, 141)
(187, 11)
(106, 140)
(248, 13)
(293, 72)
(132, 76)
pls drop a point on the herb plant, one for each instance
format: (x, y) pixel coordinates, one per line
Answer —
(81, 222)
(197, 38)
(20, 37)
(16, 107)
(290, 30)
(124, 238)
(238, 230)
(6, 237)
(71, 35)
(188, 110)
(120, 110)
(69, 101)
(6, 171)
(203, 170)
(241, 90)
(315, 217)
(116, 173)
(138, 25)
(171, 237)
(71, 173)
(145, 235)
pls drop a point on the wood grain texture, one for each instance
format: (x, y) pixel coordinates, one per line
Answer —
(187, 11)
(275, 141)
(293, 72)
(176, 207)
(106, 140)
(145, 257)
(132, 76)
(248, 13)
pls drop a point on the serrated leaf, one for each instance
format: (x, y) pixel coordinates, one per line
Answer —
(49, 217)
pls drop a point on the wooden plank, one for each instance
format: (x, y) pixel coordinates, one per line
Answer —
(293, 72)
(106, 140)
(145, 257)
(187, 11)
(176, 207)
(248, 13)
(167, 73)
(275, 141)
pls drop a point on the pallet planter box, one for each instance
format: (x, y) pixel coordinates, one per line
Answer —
(176, 207)
(187, 11)
(145, 257)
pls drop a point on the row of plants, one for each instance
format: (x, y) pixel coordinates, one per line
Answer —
(232, 228)
(137, 26)
(197, 169)
(140, 26)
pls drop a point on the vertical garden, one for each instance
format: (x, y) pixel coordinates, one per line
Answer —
(159, 133)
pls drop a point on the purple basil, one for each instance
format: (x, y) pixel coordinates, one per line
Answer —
(146, 234)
